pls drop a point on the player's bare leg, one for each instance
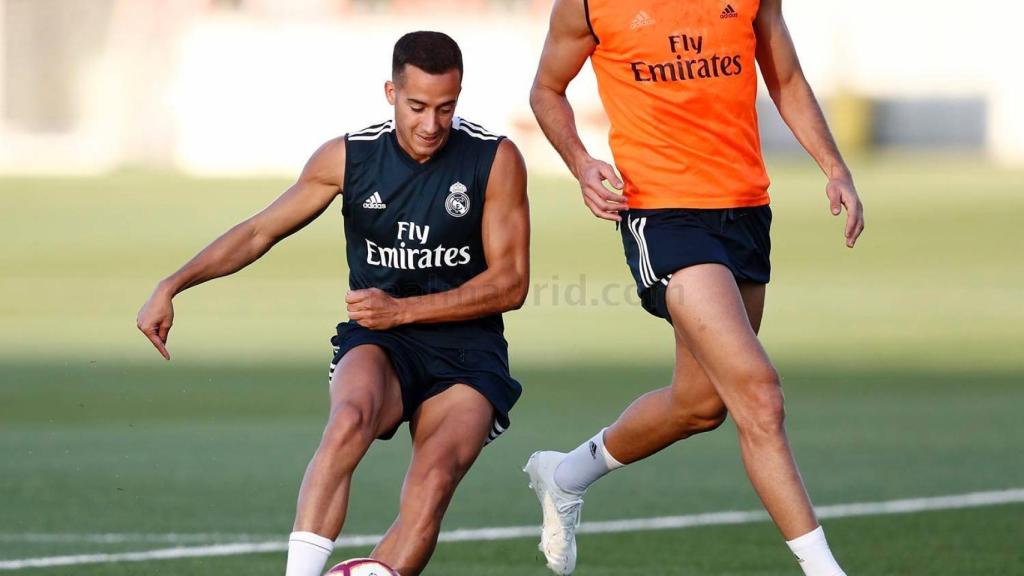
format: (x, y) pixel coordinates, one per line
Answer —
(689, 406)
(449, 430)
(709, 315)
(366, 401)
(656, 420)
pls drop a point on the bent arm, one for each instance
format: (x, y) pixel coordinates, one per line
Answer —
(318, 184)
(568, 45)
(506, 239)
(790, 90)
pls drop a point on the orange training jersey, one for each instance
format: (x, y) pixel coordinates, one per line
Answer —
(678, 81)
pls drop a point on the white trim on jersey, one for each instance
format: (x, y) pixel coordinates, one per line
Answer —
(474, 130)
(475, 126)
(368, 129)
(373, 132)
(467, 130)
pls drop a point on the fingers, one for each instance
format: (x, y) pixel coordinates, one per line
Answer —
(835, 196)
(841, 194)
(608, 173)
(594, 180)
(854, 224)
(599, 210)
(604, 203)
(158, 342)
(354, 296)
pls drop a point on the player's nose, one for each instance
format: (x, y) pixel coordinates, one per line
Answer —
(432, 123)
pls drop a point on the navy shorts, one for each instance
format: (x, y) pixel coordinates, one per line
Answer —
(426, 370)
(659, 242)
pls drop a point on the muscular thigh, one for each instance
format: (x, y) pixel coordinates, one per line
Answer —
(689, 380)
(450, 429)
(713, 321)
(365, 379)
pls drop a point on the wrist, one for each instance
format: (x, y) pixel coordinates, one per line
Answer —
(167, 288)
(839, 170)
(406, 311)
(578, 162)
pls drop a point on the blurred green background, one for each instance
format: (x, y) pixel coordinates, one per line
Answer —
(901, 360)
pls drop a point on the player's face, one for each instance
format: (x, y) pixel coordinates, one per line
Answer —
(424, 107)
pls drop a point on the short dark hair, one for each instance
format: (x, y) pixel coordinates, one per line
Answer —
(432, 52)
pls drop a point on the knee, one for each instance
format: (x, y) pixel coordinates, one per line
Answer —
(760, 412)
(349, 428)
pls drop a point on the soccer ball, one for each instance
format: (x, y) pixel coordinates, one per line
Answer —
(361, 567)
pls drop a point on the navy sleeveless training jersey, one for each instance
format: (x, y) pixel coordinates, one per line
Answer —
(413, 229)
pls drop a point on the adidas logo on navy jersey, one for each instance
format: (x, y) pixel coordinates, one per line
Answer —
(729, 12)
(374, 202)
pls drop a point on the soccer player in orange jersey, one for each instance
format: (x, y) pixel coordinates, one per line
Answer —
(678, 83)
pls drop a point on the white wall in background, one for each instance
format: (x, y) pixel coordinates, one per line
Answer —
(237, 94)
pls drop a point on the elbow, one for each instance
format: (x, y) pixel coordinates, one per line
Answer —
(535, 97)
(791, 83)
(516, 292)
(259, 240)
(539, 94)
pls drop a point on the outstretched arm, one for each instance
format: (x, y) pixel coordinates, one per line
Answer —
(242, 245)
(568, 45)
(503, 286)
(799, 108)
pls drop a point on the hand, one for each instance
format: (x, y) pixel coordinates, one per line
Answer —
(602, 202)
(155, 320)
(375, 309)
(841, 192)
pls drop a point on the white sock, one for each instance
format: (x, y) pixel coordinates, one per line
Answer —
(812, 552)
(307, 554)
(584, 465)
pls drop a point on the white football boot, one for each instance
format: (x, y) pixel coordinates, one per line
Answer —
(561, 511)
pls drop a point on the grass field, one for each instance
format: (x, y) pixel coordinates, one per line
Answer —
(901, 360)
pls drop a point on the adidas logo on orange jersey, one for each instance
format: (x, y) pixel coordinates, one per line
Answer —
(729, 12)
(640, 20)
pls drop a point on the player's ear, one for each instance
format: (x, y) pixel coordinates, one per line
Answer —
(389, 92)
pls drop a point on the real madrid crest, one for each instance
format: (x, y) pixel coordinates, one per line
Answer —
(457, 202)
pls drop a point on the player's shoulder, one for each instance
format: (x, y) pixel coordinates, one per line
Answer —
(327, 163)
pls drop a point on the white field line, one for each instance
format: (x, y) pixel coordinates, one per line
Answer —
(129, 538)
(957, 501)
